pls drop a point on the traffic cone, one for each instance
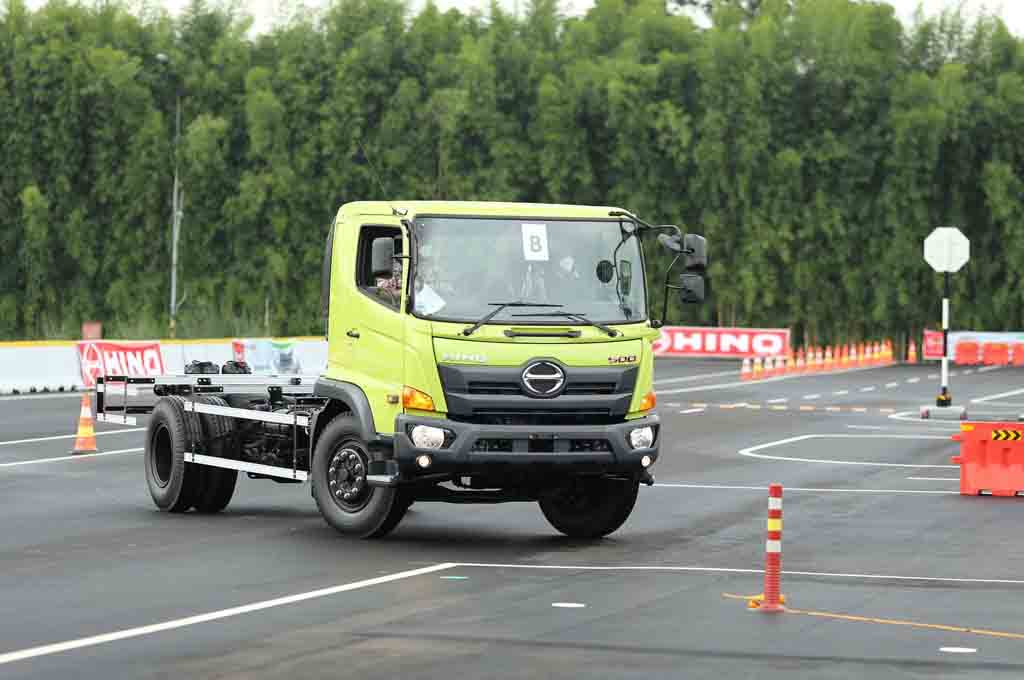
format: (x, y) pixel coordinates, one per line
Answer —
(878, 354)
(819, 360)
(862, 359)
(790, 365)
(758, 369)
(844, 356)
(829, 364)
(85, 440)
(746, 372)
(912, 353)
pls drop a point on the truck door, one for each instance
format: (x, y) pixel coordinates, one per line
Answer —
(375, 327)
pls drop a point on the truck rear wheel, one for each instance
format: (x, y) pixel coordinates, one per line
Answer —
(590, 507)
(216, 485)
(173, 483)
(342, 494)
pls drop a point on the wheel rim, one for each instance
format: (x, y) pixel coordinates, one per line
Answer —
(162, 456)
(346, 477)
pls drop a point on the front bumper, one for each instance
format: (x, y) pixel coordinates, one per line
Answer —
(479, 448)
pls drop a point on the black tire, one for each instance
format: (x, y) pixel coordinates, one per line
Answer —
(173, 483)
(367, 512)
(216, 485)
(590, 507)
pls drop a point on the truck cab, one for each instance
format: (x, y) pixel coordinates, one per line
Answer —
(488, 352)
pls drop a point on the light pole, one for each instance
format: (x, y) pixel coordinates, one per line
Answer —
(176, 205)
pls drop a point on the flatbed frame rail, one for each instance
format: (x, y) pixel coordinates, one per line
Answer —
(138, 395)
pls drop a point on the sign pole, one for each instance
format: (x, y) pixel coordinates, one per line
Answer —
(947, 250)
(945, 398)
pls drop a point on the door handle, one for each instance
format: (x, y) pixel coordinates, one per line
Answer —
(352, 333)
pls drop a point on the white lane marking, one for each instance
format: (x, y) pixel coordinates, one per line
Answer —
(672, 404)
(812, 396)
(691, 378)
(76, 456)
(692, 410)
(867, 389)
(993, 397)
(735, 487)
(67, 436)
(43, 395)
(728, 570)
(568, 605)
(867, 427)
(780, 400)
(933, 376)
(986, 369)
(958, 650)
(751, 451)
(749, 383)
(124, 634)
(953, 374)
(913, 380)
(840, 393)
(935, 479)
(969, 371)
(892, 385)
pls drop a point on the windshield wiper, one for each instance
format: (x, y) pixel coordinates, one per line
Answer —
(578, 317)
(498, 307)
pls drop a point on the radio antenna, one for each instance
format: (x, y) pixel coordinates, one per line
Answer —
(376, 175)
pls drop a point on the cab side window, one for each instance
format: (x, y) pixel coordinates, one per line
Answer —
(385, 290)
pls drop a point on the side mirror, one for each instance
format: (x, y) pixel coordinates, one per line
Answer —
(382, 256)
(691, 288)
(696, 259)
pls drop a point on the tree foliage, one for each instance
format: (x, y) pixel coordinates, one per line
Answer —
(814, 142)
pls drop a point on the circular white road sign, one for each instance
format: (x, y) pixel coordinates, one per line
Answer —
(947, 249)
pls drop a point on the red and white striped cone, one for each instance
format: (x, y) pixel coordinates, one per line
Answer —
(772, 599)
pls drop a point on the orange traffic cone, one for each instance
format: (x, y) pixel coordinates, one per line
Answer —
(829, 364)
(746, 372)
(912, 353)
(85, 440)
(790, 365)
(758, 369)
(801, 366)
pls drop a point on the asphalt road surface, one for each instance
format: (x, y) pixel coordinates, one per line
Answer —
(889, 573)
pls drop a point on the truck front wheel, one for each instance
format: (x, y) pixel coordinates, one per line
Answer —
(342, 494)
(590, 507)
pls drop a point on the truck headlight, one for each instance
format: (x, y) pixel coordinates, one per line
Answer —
(427, 437)
(641, 437)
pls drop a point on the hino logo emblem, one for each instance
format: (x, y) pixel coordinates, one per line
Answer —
(543, 379)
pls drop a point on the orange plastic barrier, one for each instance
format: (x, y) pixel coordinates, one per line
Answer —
(991, 458)
(1018, 354)
(995, 354)
(966, 353)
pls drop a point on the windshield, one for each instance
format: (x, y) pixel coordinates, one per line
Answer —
(466, 265)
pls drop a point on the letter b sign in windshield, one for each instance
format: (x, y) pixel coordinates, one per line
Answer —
(535, 242)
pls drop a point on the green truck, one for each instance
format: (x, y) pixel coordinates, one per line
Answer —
(477, 353)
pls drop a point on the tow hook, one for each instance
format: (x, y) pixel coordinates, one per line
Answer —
(646, 478)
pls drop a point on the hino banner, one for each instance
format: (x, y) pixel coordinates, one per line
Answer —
(708, 341)
(99, 357)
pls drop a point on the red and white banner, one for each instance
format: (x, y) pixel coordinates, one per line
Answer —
(99, 357)
(931, 348)
(708, 341)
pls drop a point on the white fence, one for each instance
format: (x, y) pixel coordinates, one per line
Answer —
(54, 366)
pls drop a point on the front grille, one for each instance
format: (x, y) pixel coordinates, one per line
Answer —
(590, 388)
(495, 395)
(493, 388)
(487, 416)
(574, 388)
